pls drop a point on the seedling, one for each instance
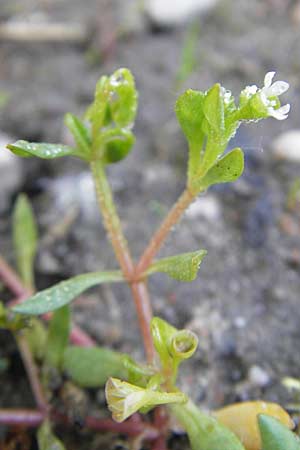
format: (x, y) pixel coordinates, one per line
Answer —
(103, 137)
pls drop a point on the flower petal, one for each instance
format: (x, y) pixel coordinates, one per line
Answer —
(278, 88)
(268, 79)
(280, 113)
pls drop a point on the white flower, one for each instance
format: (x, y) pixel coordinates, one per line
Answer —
(269, 91)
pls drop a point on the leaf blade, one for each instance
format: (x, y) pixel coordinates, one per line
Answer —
(24, 224)
(41, 150)
(92, 366)
(227, 169)
(64, 292)
(182, 267)
(204, 431)
(46, 438)
(58, 337)
(275, 435)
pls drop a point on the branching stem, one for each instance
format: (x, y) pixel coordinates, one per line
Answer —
(159, 237)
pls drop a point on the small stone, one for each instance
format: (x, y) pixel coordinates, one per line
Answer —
(207, 207)
(240, 322)
(258, 376)
(176, 12)
(287, 146)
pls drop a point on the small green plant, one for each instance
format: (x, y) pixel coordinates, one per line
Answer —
(208, 120)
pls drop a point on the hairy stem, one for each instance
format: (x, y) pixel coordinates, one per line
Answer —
(114, 230)
(111, 219)
(159, 237)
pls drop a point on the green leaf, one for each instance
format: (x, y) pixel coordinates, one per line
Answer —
(98, 113)
(92, 366)
(64, 292)
(80, 134)
(123, 98)
(24, 225)
(42, 150)
(204, 432)
(47, 440)
(162, 333)
(116, 144)
(182, 267)
(36, 336)
(213, 109)
(276, 436)
(58, 337)
(189, 112)
(227, 169)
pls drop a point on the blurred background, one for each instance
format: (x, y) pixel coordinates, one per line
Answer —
(245, 303)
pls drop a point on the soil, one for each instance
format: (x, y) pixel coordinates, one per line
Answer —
(244, 304)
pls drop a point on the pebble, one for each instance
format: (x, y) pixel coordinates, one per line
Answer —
(287, 146)
(258, 376)
(10, 170)
(176, 12)
(207, 207)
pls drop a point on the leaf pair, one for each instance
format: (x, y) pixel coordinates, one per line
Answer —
(205, 119)
(111, 117)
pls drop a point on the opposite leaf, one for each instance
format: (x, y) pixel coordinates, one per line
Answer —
(91, 367)
(204, 431)
(227, 169)
(123, 98)
(116, 144)
(64, 292)
(42, 150)
(276, 436)
(80, 133)
(58, 337)
(180, 267)
(47, 440)
(24, 225)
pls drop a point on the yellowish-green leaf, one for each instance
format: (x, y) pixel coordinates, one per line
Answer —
(64, 292)
(180, 267)
(46, 438)
(227, 169)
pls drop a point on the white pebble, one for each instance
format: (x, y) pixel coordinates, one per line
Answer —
(287, 146)
(175, 12)
(207, 207)
(258, 376)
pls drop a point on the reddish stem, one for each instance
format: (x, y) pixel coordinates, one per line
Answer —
(29, 418)
(32, 373)
(12, 280)
(159, 237)
(144, 312)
